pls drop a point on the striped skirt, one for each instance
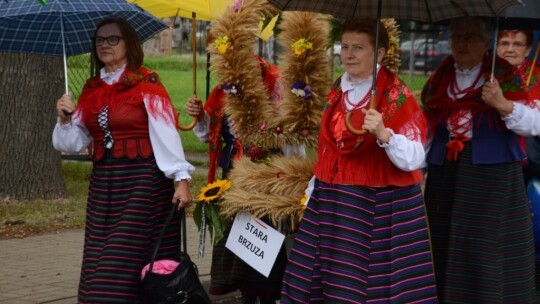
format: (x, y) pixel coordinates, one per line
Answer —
(128, 202)
(361, 245)
(483, 246)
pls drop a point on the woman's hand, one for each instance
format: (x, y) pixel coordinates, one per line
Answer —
(194, 108)
(373, 123)
(182, 195)
(492, 95)
(64, 108)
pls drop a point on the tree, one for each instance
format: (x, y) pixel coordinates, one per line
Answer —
(30, 85)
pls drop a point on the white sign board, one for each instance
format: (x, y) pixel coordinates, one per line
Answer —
(255, 242)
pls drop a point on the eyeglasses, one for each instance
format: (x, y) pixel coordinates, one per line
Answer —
(515, 45)
(465, 38)
(111, 40)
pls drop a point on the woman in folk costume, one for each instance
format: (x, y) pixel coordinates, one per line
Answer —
(514, 46)
(363, 237)
(138, 157)
(475, 197)
(228, 272)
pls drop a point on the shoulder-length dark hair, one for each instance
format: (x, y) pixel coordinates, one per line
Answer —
(368, 26)
(134, 51)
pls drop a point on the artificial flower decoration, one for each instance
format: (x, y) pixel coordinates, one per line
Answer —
(303, 201)
(238, 5)
(231, 88)
(222, 44)
(263, 127)
(206, 212)
(300, 46)
(300, 89)
(258, 155)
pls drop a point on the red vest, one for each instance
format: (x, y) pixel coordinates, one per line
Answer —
(128, 116)
(129, 129)
(358, 160)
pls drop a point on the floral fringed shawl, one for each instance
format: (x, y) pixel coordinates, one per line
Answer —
(358, 160)
(130, 91)
(438, 105)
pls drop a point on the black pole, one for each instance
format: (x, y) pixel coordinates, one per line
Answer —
(207, 74)
(377, 31)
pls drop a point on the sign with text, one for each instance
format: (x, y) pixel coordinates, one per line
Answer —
(255, 242)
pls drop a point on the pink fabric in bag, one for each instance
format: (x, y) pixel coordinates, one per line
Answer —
(160, 267)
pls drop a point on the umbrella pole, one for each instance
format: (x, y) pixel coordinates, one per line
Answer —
(64, 52)
(194, 42)
(533, 64)
(194, 47)
(495, 42)
(373, 96)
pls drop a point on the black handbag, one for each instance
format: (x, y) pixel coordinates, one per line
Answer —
(180, 286)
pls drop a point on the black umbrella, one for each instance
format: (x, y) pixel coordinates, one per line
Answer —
(526, 16)
(417, 10)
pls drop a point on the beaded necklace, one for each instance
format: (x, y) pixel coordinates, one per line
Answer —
(456, 91)
(354, 106)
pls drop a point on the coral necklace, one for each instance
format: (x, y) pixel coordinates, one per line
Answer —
(455, 90)
(354, 106)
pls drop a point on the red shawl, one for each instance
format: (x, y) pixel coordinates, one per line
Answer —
(439, 105)
(129, 90)
(361, 161)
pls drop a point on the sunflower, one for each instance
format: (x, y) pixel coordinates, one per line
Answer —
(213, 191)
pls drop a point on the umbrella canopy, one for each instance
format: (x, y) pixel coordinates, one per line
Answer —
(29, 27)
(206, 10)
(526, 16)
(418, 10)
(65, 27)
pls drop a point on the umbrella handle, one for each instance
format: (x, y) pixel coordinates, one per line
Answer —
(348, 124)
(190, 126)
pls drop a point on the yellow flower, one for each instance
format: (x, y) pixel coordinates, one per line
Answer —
(222, 44)
(303, 201)
(213, 191)
(301, 46)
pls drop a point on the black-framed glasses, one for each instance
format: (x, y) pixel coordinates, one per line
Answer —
(515, 44)
(111, 40)
(468, 38)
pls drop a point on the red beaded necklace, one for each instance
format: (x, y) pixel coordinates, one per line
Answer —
(455, 90)
(354, 106)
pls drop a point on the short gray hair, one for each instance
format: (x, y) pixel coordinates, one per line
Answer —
(485, 26)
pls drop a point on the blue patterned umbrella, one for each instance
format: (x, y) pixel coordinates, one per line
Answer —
(65, 27)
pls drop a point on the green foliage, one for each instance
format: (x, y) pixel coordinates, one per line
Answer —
(215, 223)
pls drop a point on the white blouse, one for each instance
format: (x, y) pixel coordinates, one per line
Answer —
(523, 120)
(166, 143)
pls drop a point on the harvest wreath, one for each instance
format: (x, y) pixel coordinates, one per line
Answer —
(274, 188)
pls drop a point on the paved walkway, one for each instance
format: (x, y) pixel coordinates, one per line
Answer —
(45, 268)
